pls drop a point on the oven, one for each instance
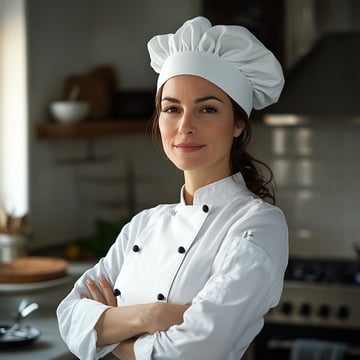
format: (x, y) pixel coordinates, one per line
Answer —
(320, 304)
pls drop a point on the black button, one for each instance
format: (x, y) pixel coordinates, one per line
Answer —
(136, 248)
(205, 208)
(181, 249)
(160, 297)
(117, 292)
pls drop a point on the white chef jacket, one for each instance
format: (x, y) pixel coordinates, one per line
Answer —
(225, 256)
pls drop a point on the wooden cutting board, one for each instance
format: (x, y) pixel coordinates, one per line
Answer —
(32, 269)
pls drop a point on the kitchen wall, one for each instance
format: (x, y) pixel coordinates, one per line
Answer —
(67, 196)
(315, 167)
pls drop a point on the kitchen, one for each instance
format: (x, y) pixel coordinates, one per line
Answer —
(111, 177)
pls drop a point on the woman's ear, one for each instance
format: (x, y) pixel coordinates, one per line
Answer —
(238, 128)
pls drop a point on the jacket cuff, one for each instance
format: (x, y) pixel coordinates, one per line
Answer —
(144, 346)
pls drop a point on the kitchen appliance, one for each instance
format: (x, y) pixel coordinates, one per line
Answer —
(324, 82)
(321, 300)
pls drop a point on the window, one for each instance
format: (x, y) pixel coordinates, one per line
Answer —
(13, 108)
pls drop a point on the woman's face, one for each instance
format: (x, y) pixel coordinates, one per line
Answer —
(197, 126)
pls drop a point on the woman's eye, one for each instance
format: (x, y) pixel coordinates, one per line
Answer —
(170, 109)
(209, 110)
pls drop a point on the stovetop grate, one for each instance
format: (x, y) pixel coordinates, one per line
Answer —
(323, 271)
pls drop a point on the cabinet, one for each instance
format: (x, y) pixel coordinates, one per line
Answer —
(264, 18)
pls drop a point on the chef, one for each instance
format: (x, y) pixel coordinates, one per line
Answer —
(193, 280)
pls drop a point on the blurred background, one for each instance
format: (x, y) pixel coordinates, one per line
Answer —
(73, 182)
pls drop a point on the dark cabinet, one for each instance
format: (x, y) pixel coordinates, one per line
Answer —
(264, 18)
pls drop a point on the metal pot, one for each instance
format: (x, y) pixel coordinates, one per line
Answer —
(12, 246)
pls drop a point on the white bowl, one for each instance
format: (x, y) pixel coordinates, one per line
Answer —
(69, 111)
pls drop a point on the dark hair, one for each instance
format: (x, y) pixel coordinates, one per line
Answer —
(256, 180)
(257, 175)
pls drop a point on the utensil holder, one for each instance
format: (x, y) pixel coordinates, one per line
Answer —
(12, 246)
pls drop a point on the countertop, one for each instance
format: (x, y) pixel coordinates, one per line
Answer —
(49, 346)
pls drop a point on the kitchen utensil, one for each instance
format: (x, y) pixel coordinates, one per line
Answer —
(11, 224)
(23, 311)
(14, 225)
(97, 87)
(32, 269)
(74, 93)
(3, 220)
(24, 335)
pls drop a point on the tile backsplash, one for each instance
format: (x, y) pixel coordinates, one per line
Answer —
(317, 172)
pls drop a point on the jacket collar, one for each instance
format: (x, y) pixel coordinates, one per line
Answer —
(219, 192)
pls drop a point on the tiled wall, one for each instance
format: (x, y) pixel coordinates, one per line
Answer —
(317, 171)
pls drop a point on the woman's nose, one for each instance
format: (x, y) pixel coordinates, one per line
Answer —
(186, 125)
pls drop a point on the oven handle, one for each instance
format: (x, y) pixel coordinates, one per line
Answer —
(286, 344)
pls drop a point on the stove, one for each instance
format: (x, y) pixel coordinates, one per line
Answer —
(320, 292)
(321, 271)
(320, 300)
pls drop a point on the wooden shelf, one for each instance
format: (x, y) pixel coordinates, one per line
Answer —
(92, 129)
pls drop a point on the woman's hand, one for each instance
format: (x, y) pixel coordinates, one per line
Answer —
(123, 324)
(107, 325)
(101, 292)
(125, 350)
(160, 316)
(157, 316)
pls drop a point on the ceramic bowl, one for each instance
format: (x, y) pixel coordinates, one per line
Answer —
(69, 111)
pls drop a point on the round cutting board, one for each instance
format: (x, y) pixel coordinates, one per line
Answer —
(32, 269)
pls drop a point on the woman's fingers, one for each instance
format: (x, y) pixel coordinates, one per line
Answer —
(95, 291)
(107, 291)
(101, 292)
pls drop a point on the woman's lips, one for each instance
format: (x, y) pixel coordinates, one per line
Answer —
(188, 147)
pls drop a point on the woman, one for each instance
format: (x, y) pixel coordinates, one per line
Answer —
(193, 280)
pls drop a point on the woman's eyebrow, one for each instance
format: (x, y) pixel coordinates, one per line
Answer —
(170, 99)
(199, 100)
(206, 98)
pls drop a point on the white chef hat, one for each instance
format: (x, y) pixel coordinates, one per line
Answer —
(228, 56)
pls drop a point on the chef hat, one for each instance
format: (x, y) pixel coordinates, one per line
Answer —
(228, 56)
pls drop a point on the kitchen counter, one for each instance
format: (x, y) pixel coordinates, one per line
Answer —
(49, 346)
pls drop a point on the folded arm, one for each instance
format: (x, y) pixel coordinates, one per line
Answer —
(124, 324)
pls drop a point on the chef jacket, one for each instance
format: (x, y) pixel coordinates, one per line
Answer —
(225, 256)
